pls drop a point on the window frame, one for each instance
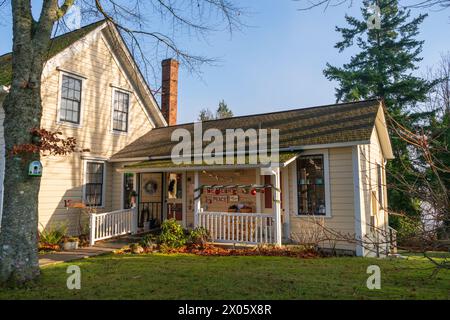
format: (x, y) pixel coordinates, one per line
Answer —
(122, 193)
(129, 93)
(82, 97)
(85, 165)
(326, 164)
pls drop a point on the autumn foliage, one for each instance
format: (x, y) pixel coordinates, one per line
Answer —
(213, 250)
(47, 143)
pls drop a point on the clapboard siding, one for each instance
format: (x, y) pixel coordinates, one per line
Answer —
(342, 200)
(63, 176)
(371, 156)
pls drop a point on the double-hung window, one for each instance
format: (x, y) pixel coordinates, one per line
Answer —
(95, 172)
(70, 108)
(311, 185)
(121, 106)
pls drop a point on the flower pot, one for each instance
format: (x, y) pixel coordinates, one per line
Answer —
(72, 245)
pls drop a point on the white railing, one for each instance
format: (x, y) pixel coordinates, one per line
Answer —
(230, 227)
(112, 224)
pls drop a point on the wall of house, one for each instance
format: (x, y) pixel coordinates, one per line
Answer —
(63, 176)
(342, 202)
(374, 208)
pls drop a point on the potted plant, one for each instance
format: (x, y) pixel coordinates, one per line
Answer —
(71, 243)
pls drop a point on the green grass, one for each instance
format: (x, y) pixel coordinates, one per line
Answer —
(161, 276)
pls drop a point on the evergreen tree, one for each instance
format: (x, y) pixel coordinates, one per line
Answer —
(205, 115)
(222, 112)
(383, 69)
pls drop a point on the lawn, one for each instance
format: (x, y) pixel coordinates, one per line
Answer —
(158, 276)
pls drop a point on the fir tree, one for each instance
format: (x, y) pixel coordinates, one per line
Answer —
(383, 68)
(222, 112)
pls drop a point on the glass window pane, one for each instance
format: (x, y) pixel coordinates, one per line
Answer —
(120, 114)
(311, 185)
(70, 99)
(94, 183)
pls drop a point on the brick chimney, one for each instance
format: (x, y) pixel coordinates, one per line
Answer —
(169, 96)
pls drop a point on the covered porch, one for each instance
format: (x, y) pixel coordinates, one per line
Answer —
(237, 204)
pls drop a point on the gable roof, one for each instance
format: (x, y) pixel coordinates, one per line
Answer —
(345, 123)
(57, 45)
(121, 52)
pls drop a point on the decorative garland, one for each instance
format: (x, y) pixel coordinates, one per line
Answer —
(245, 188)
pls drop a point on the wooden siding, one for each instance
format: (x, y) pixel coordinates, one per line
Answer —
(342, 200)
(371, 155)
(63, 176)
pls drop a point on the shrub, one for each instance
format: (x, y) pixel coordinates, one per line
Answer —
(53, 235)
(199, 236)
(147, 241)
(408, 232)
(172, 234)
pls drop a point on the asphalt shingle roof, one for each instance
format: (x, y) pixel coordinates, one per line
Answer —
(58, 44)
(337, 123)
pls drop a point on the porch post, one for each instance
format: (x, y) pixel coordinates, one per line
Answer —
(277, 206)
(197, 198)
(134, 220)
(92, 231)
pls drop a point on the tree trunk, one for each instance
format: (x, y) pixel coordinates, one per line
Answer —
(23, 110)
(18, 236)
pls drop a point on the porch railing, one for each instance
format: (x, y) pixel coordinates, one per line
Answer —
(230, 227)
(112, 224)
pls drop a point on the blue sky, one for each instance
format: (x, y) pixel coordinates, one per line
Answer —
(277, 63)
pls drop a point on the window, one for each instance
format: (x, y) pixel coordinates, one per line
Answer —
(311, 187)
(128, 190)
(174, 186)
(120, 111)
(94, 183)
(70, 100)
(380, 185)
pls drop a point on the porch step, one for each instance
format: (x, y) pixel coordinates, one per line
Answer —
(121, 241)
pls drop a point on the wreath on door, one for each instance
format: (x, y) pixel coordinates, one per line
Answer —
(151, 187)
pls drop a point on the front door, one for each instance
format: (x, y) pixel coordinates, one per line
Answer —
(150, 200)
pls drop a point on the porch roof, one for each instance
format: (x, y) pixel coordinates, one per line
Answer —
(169, 165)
(337, 124)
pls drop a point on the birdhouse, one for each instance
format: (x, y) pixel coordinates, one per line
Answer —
(35, 169)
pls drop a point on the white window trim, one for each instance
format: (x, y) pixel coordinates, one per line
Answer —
(113, 92)
(83, 88)
(326, 163)
(102, 206)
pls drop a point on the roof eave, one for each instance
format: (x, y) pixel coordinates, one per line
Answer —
(383, 133)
